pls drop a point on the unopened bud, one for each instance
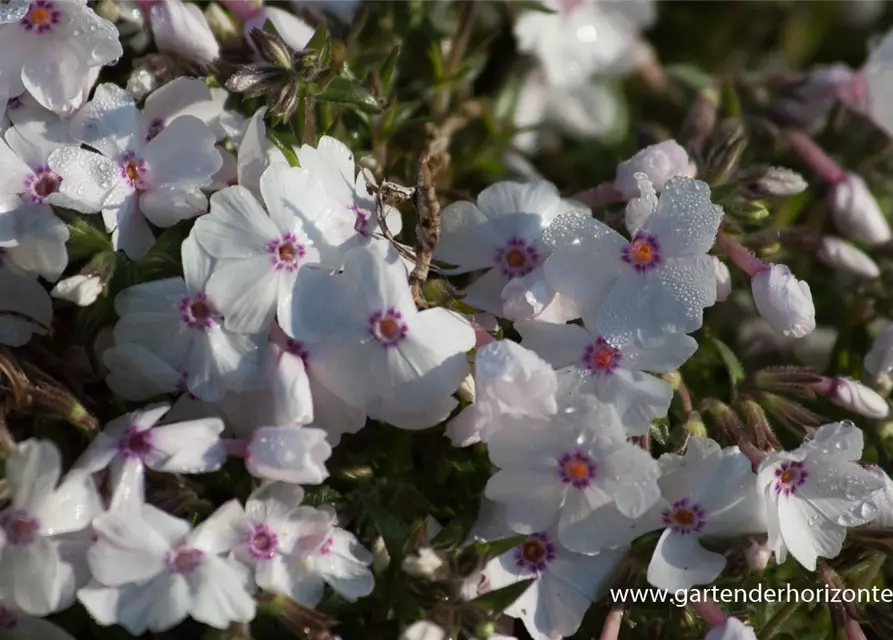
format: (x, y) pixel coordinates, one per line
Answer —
(141, 83)
(784, 301)
(423, 564)
(80, 289)
(723, 279)
(758, 555)
(879, 359)
(856, 212)
(774, 182)
(485, 630)
(854, 396)
(272, 48)
(701, 119)
(466, 388)
(423, 630)
(659, 163)
(694, 426)
(722, 154)
(839, 254)
(222, 24)
(380, 556)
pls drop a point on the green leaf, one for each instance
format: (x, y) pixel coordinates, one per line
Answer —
(495, 602)
(163, 259)
(317, 42)
(85, 240)
(344, 91)
(290, 156)
(393, 531)
(660, 431)
(496, 548)
(730, 360)
(532, 5)
(386, 75)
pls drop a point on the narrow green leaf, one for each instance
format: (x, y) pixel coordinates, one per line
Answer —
(163, 259)
(317, 42)
(730, 360)
(85, 240)
(343, 91)
(289, 153)
(495, 602)
(496, 548)
(730, 100)
(393, 531)
(386, 75)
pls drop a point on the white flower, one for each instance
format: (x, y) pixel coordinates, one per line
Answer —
(422, 564)
(879, 359)
(41, 529)
(296, 550)
(185, 97)
(292, 29)
(567, 466)
(731, 629)
(51, 51)
(135, 373)
(256, 153)
(261, 254)
(130, 443)
(565, 584)
(784, 301)
(150, 571)
(659, 282)
(841, 255)
(883, 500)
(640, 207)
(502, 233)
(332, 163)
(856, 213)
(288, 454)
(723, 280)
(658, 163)
(136, 175)
(25, 306)
(758, 555)
(509, 380)
(709, 491)
(179, 320)
(182, 29)
(612, 367)
(856, 397)
(423, 630)
(377, 346)
(80, 289)
(815, 492)
(20, 626)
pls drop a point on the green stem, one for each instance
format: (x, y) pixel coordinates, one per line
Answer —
(777, 622)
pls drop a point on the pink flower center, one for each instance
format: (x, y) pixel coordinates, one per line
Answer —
(388, 327)
(40, 184)
(41, 17)
(286, 252)
(297, 348)
(535, 553)
(517, 258)
(263, 542)
(601, 357)
(134, 171)
(197, 312)
(576, 469)
(363, 218)
(156, 126)
(8, 618)
(183, 560)
(789, 476)
(135, 443)
(684, 517)
(643, 253)
(20, 528)
(326, 548)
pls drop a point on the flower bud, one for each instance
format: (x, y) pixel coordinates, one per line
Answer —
(423, 630)
(288, 454)
(731, 629)
(856, 212)
(82, 290)
(879, 359)
(841, 255)
(659, 162)
(466, 388)
(758, 555)
(380, 556)
(723, 279)
(784, 302)
(423, 564)
(774, 182)
(182, 29)
(856, 397)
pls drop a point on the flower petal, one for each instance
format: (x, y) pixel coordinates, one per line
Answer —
(680, 562)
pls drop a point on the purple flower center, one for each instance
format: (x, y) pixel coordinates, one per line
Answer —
(135, 443)
(41, 17)
(789, 476)
(684, 517)
(298, 349)
(40, 184)
(517, 258)
(183, 560)
(286, 252)
(534, 554)
(20, 528)
(197, 312)
(8, 619)
(156, 126)
(600, 357)
(361, 224)
(263, 543)
(326, 547)
(388, 327)
(134, 171)
(643, 253)
(14, 103)
(576, 469)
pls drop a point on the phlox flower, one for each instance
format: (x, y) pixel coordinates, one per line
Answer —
(151, 570)
(183, 30)
(52, 50)
(565, 584)
(185, 96)
(658, 163)
(510, 379)
(25, 306)
(179, 320)
(16, 625)
(612, 367)
(657, 283)
(136, 373)
(296, 455)
(130, 443)
(296, 550)
(708, 492)
(42, 530)
(567, 466)
(501, 232)
(371, 346)
(261, 254)
(815, 492)
(255, 153)
(136, 176)
(883, 500)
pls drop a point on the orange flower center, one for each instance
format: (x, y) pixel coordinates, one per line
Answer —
(40, 16)
(515, 258)
(533, 551)
(642, 252)
(388, 328)
(684, 517)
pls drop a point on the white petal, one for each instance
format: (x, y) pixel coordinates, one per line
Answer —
(41, 247)
(110, 122)
(532, 498)
(167, 205)
(187, 447)
(236, 227)
(560, 345)
(14, 170)
(221, 531)
(130, 231)
(806, 533)
(467, 240)
(666, 356)
(345, 566)
(32, 471)
(182, 154)
(55, 75)
(87, 179)
(33, 578)
(586, 574)
(680, 562)
(128, 550)
(289, 454)
(218, 595)
(246, 292)
(521, 210)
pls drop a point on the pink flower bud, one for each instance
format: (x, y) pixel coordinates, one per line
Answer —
(843, 256)
(784, 301)
(659, 162)
(879, 359)
(723, 279)
(758, 556)
(856, 397)
(856, 212)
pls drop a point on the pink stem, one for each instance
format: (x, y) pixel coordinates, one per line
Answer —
(854, 631)
(710, 612)
(813, 156)
(244, 9)
(600, 196)
(740, 257)
(236, 448)
(611, 628)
